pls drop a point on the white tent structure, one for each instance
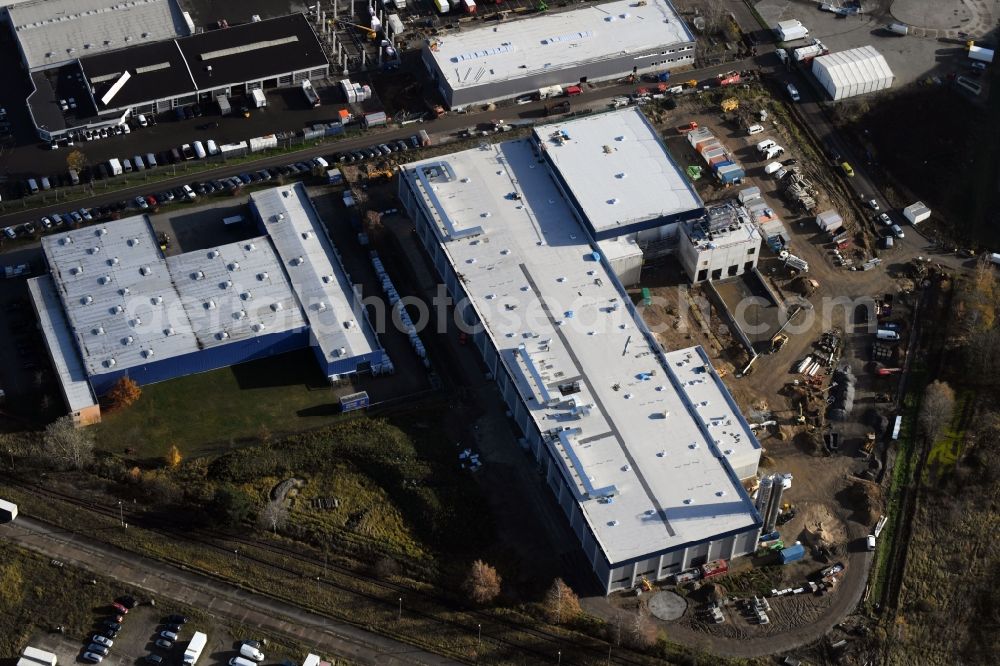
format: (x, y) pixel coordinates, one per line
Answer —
(853, 72)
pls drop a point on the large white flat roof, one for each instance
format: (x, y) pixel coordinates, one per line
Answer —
(319, 280)
(555, 40)
(52, 31)
(62, 346)
(617, 169)
(638, 430)
(128, 306)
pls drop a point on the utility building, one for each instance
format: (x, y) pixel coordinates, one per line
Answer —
(592, 43)
(724, 243)
(113, 306)
(643, 450)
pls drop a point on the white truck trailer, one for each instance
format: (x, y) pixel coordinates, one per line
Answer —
(259, 101)
(195, 648)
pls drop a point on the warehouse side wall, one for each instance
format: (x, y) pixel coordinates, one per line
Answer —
(605, 69)
(206, 359)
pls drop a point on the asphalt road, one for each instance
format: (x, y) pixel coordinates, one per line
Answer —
(239, 605)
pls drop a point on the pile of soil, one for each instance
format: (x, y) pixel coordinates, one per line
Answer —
(863, 499)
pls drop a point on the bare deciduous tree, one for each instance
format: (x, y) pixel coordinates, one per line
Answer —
(936, 408)
(273, 516)
(483, 583)
(561, 603)
(65, 446)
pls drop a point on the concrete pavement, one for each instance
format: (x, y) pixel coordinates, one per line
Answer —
(322, 634)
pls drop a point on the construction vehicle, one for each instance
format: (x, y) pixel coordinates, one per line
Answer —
(371, 34)
(645, 585)
(777, 342)
(163, 240)
(729, 78)
(869, 444)
(801, 418)
(691, 84)
(730, 104)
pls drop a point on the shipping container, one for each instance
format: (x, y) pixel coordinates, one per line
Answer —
(36, 657)
(792, 554)
(233, 148)
(719, 166)
(354, 401)
(442, 6)
(376, 119)
(259, 100)
(259, 143)
(334, 177)
(731, 175)
(916, 213)
(223, 103)
(470, 6)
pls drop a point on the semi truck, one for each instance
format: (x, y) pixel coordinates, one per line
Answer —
(312, 98)
(195, 648)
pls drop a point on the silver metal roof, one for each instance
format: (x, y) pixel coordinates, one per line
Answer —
(316, 274)
(61, 344)
(659, 439)
(547, 43)
(617, 169)
(53, 31)
(128, 306)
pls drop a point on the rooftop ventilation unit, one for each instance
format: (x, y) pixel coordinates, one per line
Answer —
(94, 250)
(168, 331)
(262, 276)
(250, 247)
(222, 335)
(156, 300)
(110, 363)
(246, 295)
(87, 300)
(258, 327)
(198, 275)
(148, 353)
(117, 309)
(212, 254)
(210, 304)
(113, 261)
(127, 340)
(234, 266)
(124, 291)
(277, 307)
(104, 279)
(98, 331)
(145, 270)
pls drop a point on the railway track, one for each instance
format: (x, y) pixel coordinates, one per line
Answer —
(531, 643)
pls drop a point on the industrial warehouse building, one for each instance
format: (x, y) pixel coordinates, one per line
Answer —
(593, 43)
(643, 450)
(113, 306)
(619, 178)
(155, 76)
(853, 72)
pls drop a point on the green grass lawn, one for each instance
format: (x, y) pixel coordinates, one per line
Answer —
(207, 412)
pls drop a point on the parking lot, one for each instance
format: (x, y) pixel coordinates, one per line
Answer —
(935, 49)
(142, 627)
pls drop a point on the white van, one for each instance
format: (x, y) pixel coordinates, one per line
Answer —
(320, 162)
(773, 167)
(211, 147)
(199, 150)
(252, 653)
(774, 151)
(755, 129)
(870, 542)
(765, 145)
(782, 55)
(885, 334)
(33, 185)
(241, 661)
(897, 231)
(793, 92)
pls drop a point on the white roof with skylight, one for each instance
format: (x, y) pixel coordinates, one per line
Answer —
(618, 170)
(639, 441)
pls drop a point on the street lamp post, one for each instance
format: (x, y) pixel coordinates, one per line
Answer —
(560, 657)
(399, 616)
(237, 551)
(121, 513)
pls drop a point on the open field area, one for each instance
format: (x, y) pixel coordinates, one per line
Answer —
(213, 410)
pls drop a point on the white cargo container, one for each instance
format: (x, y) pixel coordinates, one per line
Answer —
(259, 143)
(829, 221)
(916, 213)
(115, 166)
(395, 24)
(259, 100)
(550, 91)
(33, 656)
(8, 511)
(233, 148)
(788, 31)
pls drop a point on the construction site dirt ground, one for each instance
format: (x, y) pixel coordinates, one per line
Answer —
(824, 489)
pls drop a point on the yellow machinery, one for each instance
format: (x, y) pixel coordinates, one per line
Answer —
(372, 35)
(777, 342)
(645, 585)
(730, 104)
